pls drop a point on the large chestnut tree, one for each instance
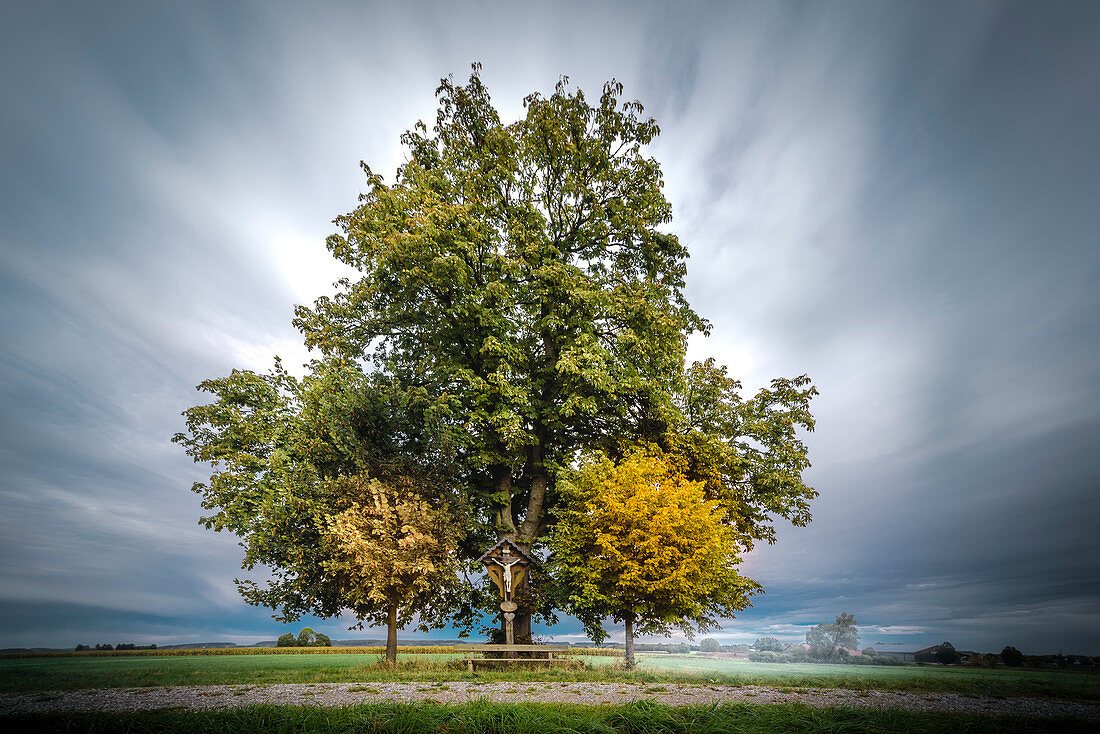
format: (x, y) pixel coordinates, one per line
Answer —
(522, 278)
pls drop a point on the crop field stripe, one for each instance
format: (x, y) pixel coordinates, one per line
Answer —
(199, 652)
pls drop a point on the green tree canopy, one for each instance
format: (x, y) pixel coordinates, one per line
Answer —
(947, 654)
(827, 639)
(285, 451)
(1012, 657)
(770, 644)
(518, 301)
(519, 268)
(709, 644)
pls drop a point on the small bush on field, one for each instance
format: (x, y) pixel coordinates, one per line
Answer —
(947, 654)
(765, 656)
(888, 660)
(1012, 657)
(797, 654)
(766, 644)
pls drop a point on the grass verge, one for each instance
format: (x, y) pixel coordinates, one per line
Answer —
(493, 718)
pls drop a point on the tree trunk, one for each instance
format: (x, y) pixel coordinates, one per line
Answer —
(532, 522)
(391, 635)
(502, 482)
(629, 619)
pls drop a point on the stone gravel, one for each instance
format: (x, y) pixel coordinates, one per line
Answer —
(346, 694)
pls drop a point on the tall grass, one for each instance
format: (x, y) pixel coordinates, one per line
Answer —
(495, 718)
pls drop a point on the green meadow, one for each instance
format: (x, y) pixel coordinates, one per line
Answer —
(70, 672)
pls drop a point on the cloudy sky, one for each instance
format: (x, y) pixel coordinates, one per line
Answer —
(900, 199)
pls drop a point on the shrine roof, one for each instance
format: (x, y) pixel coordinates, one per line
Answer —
(512, 547)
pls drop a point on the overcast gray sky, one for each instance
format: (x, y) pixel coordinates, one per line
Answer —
(899, 199)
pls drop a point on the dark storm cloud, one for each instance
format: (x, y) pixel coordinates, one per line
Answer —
(897, 199)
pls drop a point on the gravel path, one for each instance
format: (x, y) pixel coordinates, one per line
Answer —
(344, 694)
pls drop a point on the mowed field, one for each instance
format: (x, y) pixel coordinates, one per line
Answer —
(66, 673)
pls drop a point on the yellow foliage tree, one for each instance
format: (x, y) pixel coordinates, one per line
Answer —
(639, 543)
(391, 553)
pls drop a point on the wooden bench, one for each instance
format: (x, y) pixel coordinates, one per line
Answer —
(535, 650)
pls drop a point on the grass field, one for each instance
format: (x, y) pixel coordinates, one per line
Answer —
(62, 673)
(494, 718)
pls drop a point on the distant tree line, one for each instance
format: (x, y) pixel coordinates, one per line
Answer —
(306, 638)
(119, 646)
(676, 648)
(1013, 658)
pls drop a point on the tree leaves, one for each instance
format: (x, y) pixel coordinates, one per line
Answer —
(518, 268)
(391, 546)
(519, 303)
(636, 538)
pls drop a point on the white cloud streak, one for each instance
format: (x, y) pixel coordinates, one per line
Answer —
(873, 195)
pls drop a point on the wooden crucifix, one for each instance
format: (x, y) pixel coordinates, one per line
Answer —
(507, 566)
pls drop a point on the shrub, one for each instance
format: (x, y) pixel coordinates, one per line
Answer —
(765, 656)
(1012, 657)
(797, 654)
(322, 640)
(286, 640)
(709, 644)
(768, 643)
(946, 654)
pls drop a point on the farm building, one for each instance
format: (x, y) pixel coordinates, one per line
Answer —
(901, 651)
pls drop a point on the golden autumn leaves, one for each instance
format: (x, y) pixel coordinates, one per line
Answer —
(390, 549)
(635, 541)
(390, 545)
(640, 543)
